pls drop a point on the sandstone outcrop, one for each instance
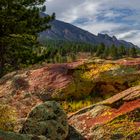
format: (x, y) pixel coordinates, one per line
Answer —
(115, 118)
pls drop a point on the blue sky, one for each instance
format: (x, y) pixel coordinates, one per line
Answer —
(114, 17)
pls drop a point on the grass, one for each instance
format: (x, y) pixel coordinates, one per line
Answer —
(75, 105)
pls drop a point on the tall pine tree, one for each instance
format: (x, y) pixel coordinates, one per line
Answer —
(20, 22)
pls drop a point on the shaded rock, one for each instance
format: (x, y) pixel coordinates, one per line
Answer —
(127, 95)
(15, 136)
(74, 134)
(47, 119)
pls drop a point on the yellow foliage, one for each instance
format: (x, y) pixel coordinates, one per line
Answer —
(96, 69)
(8, 117)
(107, 113)
(74, 106)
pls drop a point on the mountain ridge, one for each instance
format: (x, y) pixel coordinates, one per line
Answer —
(65, 31)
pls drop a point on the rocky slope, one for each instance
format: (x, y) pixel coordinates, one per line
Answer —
(117, 118)
(78, 80)
(25, 89)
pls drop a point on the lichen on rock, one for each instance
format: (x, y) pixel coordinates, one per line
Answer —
(47, 119)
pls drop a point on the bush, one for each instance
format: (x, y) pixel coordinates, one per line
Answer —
(8, 117)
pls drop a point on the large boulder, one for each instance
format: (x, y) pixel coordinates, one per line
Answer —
(47, 119)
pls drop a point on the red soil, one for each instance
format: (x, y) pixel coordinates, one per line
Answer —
(134, 62)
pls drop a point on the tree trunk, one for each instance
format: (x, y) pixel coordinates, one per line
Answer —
(2, 61)
(1, 68)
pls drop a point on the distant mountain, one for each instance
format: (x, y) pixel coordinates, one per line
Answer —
(65, 31)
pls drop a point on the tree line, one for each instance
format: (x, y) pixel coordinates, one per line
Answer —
(60, 51)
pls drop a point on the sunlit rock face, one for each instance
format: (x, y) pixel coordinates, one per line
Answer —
(115, 118)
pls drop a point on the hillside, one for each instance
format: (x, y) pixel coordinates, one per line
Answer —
(100, 97)
(65, 31)
(89, 80)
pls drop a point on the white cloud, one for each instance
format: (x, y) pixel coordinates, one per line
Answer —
(98, 27)
(101, 15)
(131, 36)
(128, 35)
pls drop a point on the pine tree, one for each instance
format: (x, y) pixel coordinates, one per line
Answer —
(20, 21)
(106, 52)
(100, 49)
(133, 52)
(121, 51)
(114, 52)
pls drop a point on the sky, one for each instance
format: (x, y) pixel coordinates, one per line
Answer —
(114, 17)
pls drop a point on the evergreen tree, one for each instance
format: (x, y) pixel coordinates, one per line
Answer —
(106, 52)
(114, 52)
(133, 52)
(121, 51)
(100, 49)
(20, 21)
